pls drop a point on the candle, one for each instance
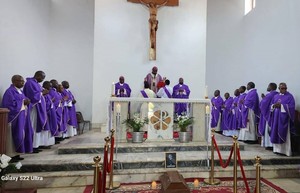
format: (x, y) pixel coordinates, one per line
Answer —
(207, 109)
(206, 92)
(153, 185)
(196, 183)
(118, 109)
(113, 89)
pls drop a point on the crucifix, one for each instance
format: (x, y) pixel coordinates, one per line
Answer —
(153, 6)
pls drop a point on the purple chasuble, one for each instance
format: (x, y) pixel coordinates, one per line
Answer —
(239, 112)
(51, 114)
(57, 102)
(217, 103)
(18, 117)
(71, 108)
(33, 90)
(251, 101)
(235, 113)
(125, 86)
(282, 121)
(181, 108)
(227, 115)
(265, 110)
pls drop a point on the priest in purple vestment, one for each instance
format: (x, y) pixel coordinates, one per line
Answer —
(19, 129)
(72, 123)
(57, 102)
(216, 108)
(181, 91)
(153, 79)
(34, 91)
(235, 111)
(122, 89)
(250, 114)
(282, 121)
(265, 111)
(226, 120)
(242, 96)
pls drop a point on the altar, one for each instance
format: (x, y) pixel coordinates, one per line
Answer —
(161, 116)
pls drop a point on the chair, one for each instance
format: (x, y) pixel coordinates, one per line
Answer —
(81, 122)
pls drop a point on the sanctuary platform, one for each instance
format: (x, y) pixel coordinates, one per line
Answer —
(70, 163)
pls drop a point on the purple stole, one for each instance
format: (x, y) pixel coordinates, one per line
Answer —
(227, 115)
(20, 124)
(33, 90)
(251, 102)
(265, 111)
(280, 122)
(216, 110)
(144, 94)
(167, 92)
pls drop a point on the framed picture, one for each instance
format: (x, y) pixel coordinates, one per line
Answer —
(170, 160)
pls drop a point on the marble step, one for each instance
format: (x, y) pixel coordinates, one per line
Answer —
(144, 148)
(83, 178)
(150, 160)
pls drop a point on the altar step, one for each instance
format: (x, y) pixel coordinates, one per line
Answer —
(70, 163)
(82, 178)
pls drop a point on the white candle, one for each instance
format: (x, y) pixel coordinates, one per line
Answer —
(113, 89)
(118, 109)
(206, 92)
(207, 109)
(196, 183)
(153, 185)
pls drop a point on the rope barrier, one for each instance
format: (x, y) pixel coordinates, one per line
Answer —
(220, 156)
(242, 170)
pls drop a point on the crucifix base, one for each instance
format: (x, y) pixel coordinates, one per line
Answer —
(152, 54)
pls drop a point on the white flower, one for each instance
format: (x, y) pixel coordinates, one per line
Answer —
(18, 165)
(4, 159)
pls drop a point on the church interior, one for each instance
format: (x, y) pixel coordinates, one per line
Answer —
(212, 44)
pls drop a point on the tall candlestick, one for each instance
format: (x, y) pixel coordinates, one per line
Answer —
(206, 92)
(113, 89)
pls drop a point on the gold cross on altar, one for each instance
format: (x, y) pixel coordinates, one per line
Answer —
(153, 6)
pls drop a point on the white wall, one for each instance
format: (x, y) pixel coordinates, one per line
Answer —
(122, 44)
(71, 48)
(262, 46)
(24, 32)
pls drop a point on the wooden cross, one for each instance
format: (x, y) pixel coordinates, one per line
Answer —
(153, 5)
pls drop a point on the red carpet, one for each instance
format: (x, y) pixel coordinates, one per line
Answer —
(226, 186)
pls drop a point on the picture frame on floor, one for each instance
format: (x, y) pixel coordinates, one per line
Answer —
(170, 160)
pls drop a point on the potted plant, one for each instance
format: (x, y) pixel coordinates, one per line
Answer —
(183, 121)
(136, 124)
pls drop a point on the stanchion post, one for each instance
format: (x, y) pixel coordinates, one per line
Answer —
(111, 184)
(97, 160)
(257, 165)
(235, 146)
(211, 179)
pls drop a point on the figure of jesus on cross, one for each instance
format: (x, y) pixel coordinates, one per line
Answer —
(153, 6)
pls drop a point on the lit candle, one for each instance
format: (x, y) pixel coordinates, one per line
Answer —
(206, 92)
(113, 89)
(118, 109)
(207, 109)
(196, 183)
(153, 185)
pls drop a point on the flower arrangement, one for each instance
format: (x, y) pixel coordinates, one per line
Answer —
(183, 121)
(136, 123)
(6, 168)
